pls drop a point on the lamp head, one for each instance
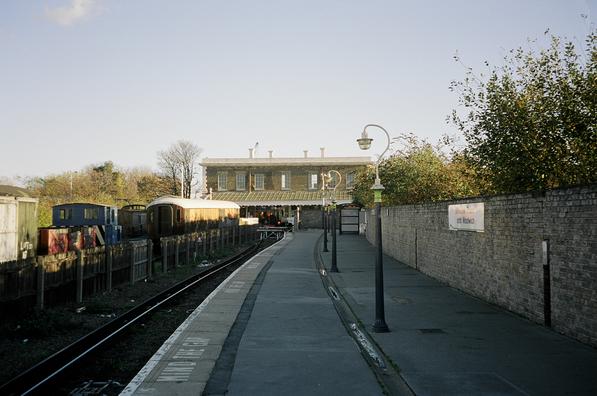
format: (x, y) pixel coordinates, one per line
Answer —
(364, 141)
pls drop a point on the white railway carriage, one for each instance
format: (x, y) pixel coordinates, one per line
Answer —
(171, 215)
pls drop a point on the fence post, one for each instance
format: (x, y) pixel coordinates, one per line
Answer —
(204, 243)
(149, 258)
(176, 251)
(109, 258)
(79, 272)
(233, 234)
(40, 282)
(164, 255)
(132, 263)
(188, 252)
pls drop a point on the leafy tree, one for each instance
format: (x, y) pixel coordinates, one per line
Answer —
(532, 124)
(102, 184)
(417, 172)
(180, 162)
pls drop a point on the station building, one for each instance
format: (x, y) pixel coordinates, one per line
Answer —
(281, 190)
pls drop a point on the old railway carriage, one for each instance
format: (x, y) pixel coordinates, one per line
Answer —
(18, 224)
(174, 216)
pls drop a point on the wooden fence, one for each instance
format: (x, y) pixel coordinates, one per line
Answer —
(49, 280)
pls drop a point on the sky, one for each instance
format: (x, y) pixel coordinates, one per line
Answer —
(88, 81)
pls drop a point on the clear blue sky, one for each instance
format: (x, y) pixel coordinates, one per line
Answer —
(86, 81)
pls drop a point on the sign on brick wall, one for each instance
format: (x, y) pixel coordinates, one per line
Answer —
(467, 217)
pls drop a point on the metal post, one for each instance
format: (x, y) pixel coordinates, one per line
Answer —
(334, 256)
(380, 325)
(79, 272)
(132, 258)
(149, 258)
(325, 231)
(40, 282)
(546, 284)
(176, 252)
(188, 252)
(109, 268)
(164, 255)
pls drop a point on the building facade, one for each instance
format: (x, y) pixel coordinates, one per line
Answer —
(281, 190)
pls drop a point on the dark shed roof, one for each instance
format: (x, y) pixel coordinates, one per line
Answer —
(13, 191)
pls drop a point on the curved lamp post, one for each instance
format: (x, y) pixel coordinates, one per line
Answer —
(334, 267)
(379, 326)
(324, 218)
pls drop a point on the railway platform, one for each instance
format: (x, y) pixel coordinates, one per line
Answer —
(283, 324)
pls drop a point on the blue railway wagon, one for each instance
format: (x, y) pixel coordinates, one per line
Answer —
(103, 218)
(79, 214)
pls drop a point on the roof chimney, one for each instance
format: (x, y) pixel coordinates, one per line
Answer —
(271, 153)
(322, 151)
(306, 152)
(251, 153)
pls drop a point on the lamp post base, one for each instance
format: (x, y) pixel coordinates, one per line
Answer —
(380, 326)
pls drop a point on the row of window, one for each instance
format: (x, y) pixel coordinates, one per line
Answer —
(88, 214)
(259, 181)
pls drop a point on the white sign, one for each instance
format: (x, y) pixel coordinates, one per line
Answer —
(467, 217)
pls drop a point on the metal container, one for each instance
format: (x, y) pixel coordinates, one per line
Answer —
(53, 240)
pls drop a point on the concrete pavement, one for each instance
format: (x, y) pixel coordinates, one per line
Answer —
(446, 342)
(293, 342)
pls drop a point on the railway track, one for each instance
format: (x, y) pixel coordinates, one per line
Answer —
(41, 378)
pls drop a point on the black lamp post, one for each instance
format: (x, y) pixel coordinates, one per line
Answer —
(324, 218)
(334, 256)
(379, 326)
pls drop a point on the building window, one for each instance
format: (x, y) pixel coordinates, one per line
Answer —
(90, 213)
(350, 180)
(259, 181)
(285, 180)
(66, 214)
(312, 181)
(241, 181)
(222, 181)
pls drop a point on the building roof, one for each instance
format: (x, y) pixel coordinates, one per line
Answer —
(280, 198)
(193, 203)
(309, 161)
(13, 191)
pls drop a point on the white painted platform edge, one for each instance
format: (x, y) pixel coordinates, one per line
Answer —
(157, 357)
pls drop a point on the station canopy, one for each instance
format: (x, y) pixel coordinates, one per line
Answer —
(281, 198)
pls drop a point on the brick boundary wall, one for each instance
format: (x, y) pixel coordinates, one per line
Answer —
(504, 264)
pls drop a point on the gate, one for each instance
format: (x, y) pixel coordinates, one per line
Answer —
(349, 220)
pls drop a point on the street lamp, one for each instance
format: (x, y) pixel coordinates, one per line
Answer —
(324, 218)
(334, 267)
(379, 326)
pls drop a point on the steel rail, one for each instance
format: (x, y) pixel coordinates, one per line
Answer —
(37, 376)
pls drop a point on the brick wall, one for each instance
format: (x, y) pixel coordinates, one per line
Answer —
(504, 264)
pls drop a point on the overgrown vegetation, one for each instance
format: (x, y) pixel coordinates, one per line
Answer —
(530, 124)
(110, 185)
(418, 172)
(533, 124)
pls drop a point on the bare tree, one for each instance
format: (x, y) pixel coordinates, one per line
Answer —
(180, 163)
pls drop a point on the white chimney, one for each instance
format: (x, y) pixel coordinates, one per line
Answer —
(271, 153)
(251, 153)
(322, 151)
(306, 152)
